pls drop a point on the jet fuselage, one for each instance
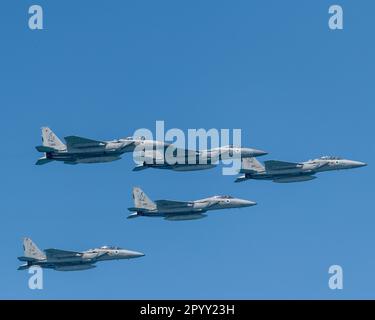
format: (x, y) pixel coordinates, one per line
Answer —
(192, 209)
(302, 171)
(71, 261)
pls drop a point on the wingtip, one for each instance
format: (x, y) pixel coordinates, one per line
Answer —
(240, 179)
(132, 215)
(139, 168)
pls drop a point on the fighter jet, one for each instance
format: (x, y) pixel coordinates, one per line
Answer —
(285, 172)
(182, 210)
(83, 150)
(62, 260)
(192, 160)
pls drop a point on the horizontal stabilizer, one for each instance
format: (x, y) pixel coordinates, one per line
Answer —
(242, 178)
(280, 165)
(23, 267)
(134, 209)
(26, 259)
(45, 149)
(140, 168)
(42, 161)
(79, 142)
(133, 215)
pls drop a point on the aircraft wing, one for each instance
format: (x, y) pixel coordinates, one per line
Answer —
(167, 154)
(60, 254)
(188, 152)
(170, 204)
(272, 165)
(129, 142)
(172, 150)
(79, 142)
(152, 155)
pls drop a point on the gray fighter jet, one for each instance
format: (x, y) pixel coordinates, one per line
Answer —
(284, 172)
(182, 210)
(83, 150)
(197, 160)
(62, 260)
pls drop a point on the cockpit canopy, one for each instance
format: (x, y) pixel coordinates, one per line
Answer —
(223, 197)
(330, 158)
(132, 138)
(110, 247)
(231, 146)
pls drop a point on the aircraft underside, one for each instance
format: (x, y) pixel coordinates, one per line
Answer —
(177, 216)
(66, 266)
(75, 158)
(177, 167)
(193, 216)
(287, 178)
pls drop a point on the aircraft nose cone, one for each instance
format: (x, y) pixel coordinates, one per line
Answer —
(132, 254)
(358, 164)
(247, 203)
(362, 164)
(253, 153)
(136, 254)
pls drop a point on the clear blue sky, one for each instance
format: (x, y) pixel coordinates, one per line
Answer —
(273, 68)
